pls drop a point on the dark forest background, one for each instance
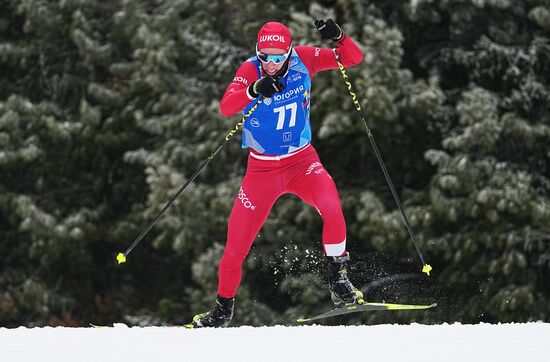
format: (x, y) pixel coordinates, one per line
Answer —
(107, 107)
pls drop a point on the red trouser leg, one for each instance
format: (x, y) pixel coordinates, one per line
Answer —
(264, 182)
(313, 184)
(257, 194)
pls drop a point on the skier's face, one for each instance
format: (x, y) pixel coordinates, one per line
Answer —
(271, 67)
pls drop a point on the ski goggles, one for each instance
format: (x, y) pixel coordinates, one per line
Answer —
(274, 58)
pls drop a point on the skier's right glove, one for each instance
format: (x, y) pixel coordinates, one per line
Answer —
(266, 86)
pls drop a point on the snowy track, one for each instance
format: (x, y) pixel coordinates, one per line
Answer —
(456, 342)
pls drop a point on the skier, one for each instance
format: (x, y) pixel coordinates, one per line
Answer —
(282, 159)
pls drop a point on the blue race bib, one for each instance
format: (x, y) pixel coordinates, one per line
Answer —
(280, 124)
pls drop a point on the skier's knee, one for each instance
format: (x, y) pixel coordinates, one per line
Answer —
(233, 258)
(330, 210)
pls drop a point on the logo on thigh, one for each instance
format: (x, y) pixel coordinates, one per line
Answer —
(315, 167)
(245, 201)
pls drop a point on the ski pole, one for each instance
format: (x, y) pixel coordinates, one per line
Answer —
(426, 268)
(121, 257)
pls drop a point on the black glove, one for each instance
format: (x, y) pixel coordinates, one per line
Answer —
(266, 86)
(329, 30)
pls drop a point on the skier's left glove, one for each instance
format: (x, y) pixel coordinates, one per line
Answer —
(329, 30)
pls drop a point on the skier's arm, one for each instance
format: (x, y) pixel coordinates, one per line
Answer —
(237, 96)
(318, 59)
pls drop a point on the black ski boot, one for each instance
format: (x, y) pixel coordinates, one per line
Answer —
(220, 316)
(341, 289)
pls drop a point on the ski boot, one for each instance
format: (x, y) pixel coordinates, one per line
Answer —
(341, 289)
(220, 316)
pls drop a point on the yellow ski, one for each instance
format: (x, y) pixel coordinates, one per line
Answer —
(364, 307)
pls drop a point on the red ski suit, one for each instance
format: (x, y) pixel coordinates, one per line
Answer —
(268, 177)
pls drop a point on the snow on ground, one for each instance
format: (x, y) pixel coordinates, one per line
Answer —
(455, 342)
